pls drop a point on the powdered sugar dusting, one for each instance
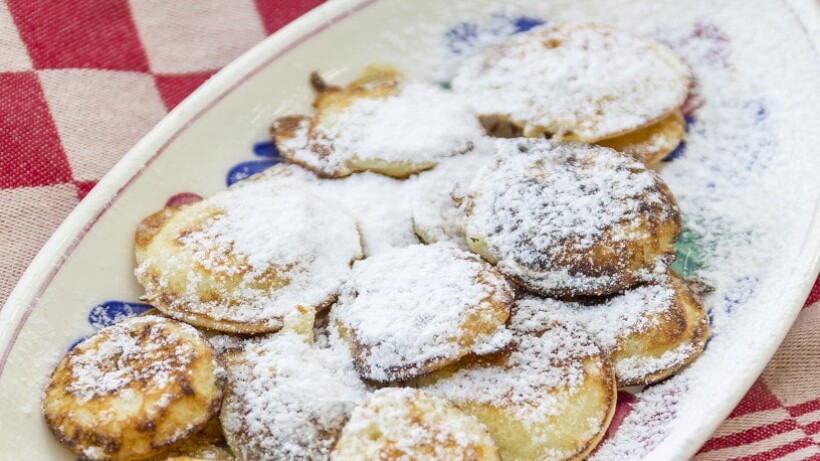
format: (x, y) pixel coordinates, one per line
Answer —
(646, 425)
(439, 203)
(245, 229)
(732, 180)
(613, 320)
(542, 203)
(575, 79)
(745, 170)
(382, 206)
(418, 126)
(225, 344)
(617, 317)
(438, 215)
(135, 350)
(411, 424)
(526, 379)
(410, 306)
(289, 247)
(288, 399)
(637, 367)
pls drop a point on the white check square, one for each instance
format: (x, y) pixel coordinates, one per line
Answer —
(187, 36)
(13, 53)
(100, 115)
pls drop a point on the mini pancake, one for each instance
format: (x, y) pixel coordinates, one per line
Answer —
(567, 219)
(408, 311)
(380, 204)
(378, 123)
(438, 215)
(649, 331)
(438, 211)
(407, 424)
(203, 444)
(197, 448)
(201, 453)
(239, 261)
(287, 399)
(574, 82)
(551, 397)
(213, 455)
(133, 390)
(224, 343)
(652, 143)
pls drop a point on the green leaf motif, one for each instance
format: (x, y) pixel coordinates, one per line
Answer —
(688, 257)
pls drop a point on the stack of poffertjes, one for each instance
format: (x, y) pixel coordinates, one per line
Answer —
(540, 285)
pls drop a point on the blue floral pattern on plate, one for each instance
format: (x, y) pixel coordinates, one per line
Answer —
(108, 313)
(270, 157)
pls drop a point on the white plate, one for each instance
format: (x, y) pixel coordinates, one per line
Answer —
(747, 184)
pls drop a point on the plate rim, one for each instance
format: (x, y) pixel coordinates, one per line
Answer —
(58, 248)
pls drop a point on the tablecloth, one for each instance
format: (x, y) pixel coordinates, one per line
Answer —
(82, 80)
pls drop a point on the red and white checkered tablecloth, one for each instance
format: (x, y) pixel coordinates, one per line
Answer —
(82, 80)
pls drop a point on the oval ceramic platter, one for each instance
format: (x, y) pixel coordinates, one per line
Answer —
(746, 178)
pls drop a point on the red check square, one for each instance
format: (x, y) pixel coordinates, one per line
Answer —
(30, 150)
(83, 188)
(759, 398)
(175, 88)
(79, 34)
(278, 13)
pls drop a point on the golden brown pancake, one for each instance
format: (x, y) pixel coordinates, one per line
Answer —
(412, 425)
(551, 397)
(574, 82)
(567, 219)
(408, 311)
(288, 399)
(651, 143)
(380, 123)
(133, 390)
(240, 261)
(649, 331)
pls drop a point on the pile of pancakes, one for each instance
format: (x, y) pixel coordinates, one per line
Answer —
(541, 283)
